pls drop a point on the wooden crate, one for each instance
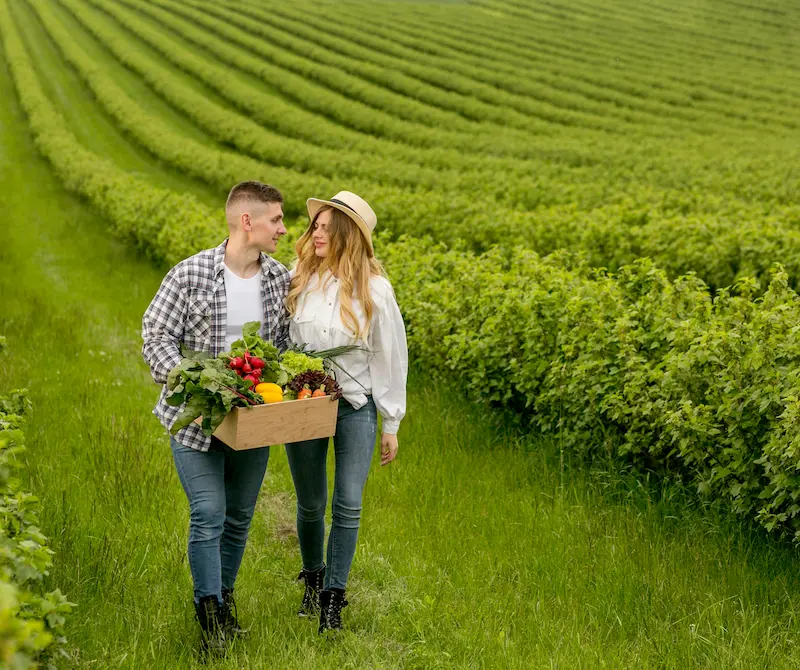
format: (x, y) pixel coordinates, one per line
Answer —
(278, 423)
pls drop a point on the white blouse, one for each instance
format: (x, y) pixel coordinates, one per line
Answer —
(381, 368)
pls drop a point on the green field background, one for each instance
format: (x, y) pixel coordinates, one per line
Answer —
(605, 132)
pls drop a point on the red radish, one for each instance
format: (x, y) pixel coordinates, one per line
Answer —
(250, 378)
(256, 373)
(247, 368)
(237, 362)
(257, 362)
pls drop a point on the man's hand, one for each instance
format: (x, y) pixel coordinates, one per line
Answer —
(388, 448)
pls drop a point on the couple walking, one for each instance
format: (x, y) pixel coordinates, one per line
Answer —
(336, 294)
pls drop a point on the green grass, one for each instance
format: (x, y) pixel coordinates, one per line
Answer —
(478, 549)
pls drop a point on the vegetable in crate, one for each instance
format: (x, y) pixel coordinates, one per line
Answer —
(255, 359)
(309, 382)
(271, 393)
(209, 388)
(296, 362)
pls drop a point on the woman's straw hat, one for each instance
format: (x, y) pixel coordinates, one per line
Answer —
(356, 208)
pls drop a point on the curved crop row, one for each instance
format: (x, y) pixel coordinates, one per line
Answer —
(163, 224)
(465, 75)
(641, 56)
(475, 76)
(456, 114)
(250, 138)
(741, 49)
(288, 119)
(718, 249)
(609, 237)
(453, 215)
(339, 107)
(396, 90)
(670, 86)
(634, 365)
(416, 52)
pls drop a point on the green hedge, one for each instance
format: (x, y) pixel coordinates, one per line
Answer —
(632, 364)
(385, 90)
(163, 224)
(31, 622)
(609, 236)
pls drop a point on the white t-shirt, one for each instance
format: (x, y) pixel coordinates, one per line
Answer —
(244, 304)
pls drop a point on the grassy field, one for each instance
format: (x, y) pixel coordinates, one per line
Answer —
(480, 547)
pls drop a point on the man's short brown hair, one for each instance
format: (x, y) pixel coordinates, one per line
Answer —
(254, 191)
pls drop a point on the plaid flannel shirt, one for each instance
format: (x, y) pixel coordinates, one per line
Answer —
(191, 307)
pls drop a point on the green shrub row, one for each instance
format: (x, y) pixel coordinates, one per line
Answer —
(292, 76)
(316, 114)
(658, 75)
(717, 249)
(649, 36)
(383, 88)
(466, 75)
(636, 68)
(401, 210)
(163, 224)
(632, 364)
(523, 186)
(387, 163)
(31, 621)
(648, 158)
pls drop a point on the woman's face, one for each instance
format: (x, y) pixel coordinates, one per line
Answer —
(320, 234)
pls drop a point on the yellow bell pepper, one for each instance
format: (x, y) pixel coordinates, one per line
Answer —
(269, 392)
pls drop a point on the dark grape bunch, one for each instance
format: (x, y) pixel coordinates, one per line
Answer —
(313, 379)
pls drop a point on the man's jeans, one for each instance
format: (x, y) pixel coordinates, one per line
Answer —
(222, 487)
(353, 445)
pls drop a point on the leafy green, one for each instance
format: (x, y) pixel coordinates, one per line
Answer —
(295, 363)
(207, 388)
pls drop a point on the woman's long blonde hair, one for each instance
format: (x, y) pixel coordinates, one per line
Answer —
(349, 259)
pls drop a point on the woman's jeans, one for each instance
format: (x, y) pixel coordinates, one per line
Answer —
(353, 445)
(222, 487)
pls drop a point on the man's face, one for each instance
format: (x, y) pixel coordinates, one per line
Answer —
(266, 226)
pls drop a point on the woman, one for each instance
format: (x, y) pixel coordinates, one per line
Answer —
(338, 296)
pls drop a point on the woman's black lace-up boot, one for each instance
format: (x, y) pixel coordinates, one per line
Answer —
(229, 616)
(330, 613)
(213, 639)
(313, 580)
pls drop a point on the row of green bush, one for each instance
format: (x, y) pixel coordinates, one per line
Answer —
(335, 93)
(653, 68)
(382, 88)
(634, 167)
(631, 364)
(718, 249)
(319, 116)
(465, 75)
(165, 225)
(31, 621)
(387, 165)
(611, 236)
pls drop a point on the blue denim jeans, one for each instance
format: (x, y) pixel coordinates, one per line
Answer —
(222, 487)
(353, 445)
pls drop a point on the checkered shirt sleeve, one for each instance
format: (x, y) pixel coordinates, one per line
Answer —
(162, 327)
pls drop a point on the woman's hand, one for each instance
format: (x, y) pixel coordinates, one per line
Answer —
(388, 448)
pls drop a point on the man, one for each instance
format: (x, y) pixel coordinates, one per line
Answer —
(203, 303)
